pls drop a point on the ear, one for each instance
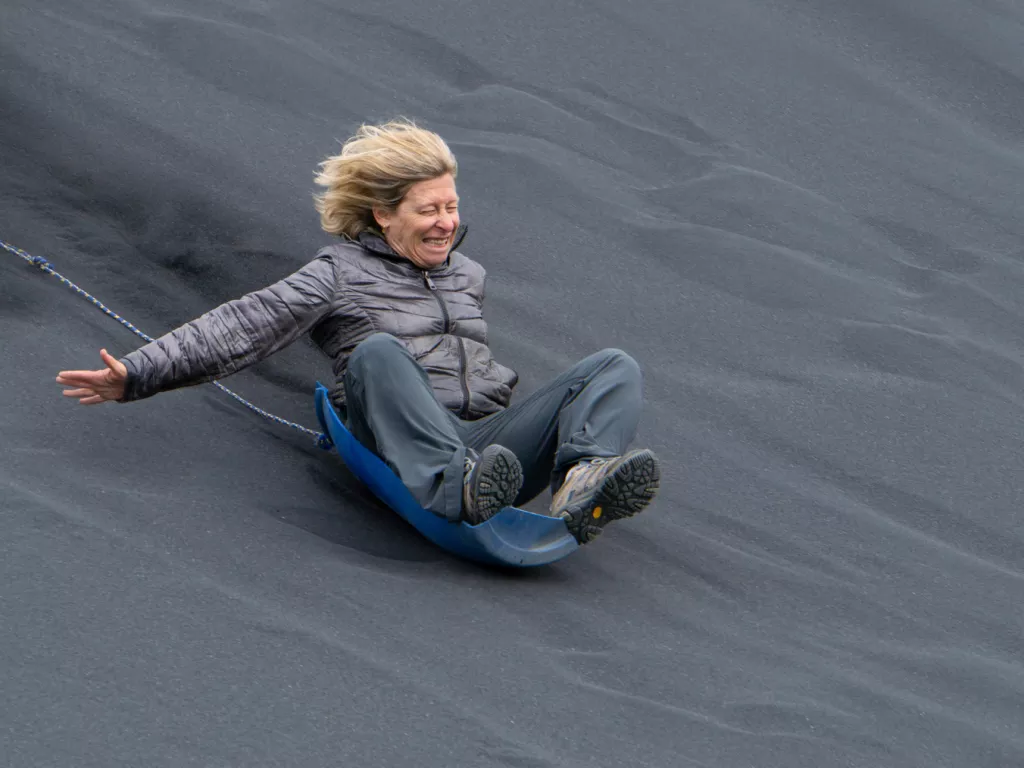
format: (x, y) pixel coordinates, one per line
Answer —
(382, 216)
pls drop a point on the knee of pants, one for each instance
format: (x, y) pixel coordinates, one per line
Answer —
(373, 349)
(623, 362)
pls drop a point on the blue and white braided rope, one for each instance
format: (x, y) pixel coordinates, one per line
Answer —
(321, 439)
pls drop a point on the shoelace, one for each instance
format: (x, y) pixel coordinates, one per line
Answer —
(586, 465)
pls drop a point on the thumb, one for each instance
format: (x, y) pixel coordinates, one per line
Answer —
(114, 364)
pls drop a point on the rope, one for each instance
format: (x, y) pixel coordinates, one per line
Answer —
(322, 440)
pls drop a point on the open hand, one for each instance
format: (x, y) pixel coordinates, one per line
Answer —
(92, 387)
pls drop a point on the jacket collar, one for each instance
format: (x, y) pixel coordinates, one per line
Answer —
(373, 241)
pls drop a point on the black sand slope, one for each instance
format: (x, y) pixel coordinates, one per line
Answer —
(803, 218)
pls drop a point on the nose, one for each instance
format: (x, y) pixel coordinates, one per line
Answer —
(446, 221)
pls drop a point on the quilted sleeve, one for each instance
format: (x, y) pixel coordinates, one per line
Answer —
(235, 335)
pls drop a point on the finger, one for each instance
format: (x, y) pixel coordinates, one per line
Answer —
(79, 381)
(78, 392)
(64, 374)
(94, 400)
(113, 363)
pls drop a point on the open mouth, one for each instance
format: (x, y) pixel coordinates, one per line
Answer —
(437, 242)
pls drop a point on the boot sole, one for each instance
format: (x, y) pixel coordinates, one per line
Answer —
(626, 491)
(499, 481)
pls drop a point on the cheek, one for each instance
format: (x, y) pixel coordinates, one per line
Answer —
(410, 231)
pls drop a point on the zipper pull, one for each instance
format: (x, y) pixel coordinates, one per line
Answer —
(429, 282)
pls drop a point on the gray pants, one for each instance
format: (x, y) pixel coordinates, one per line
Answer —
(591, 410)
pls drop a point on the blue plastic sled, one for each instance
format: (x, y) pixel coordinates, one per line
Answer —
(513, 537)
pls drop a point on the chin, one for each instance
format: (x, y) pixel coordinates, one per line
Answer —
(433, 260)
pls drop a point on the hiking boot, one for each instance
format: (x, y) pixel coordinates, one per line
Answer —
(492, 482)
(599, 491)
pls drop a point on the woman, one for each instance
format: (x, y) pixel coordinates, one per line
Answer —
(398, 310)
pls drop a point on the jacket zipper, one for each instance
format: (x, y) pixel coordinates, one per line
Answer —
(464, 411)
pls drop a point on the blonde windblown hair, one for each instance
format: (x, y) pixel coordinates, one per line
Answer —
(376, 167)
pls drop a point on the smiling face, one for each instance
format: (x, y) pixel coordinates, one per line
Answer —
(422, 227)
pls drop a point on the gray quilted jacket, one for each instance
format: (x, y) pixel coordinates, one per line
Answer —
(348, 292)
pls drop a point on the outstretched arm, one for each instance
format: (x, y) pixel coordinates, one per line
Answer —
(223, 341)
